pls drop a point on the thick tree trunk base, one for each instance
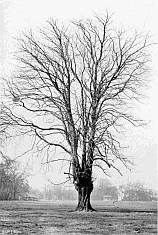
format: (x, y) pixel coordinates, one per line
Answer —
(81, 209)
(84, 199)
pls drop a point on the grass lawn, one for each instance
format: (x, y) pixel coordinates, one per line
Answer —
(46, 218)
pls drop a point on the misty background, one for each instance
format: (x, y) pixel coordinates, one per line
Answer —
(17, 16)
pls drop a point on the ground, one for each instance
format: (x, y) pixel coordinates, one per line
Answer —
(48, 218)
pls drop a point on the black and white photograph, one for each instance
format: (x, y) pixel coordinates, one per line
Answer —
(78, 117)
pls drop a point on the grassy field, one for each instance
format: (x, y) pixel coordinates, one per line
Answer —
(46, 218)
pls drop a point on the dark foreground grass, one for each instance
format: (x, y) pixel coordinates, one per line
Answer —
(49, 218)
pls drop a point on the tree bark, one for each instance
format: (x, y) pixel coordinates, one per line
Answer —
(84, 192)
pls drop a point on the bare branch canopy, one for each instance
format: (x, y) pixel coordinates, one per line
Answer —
(72, 91)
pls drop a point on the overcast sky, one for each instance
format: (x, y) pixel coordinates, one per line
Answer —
(17, 15)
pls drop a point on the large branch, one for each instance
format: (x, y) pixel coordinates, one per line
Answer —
(77, 84)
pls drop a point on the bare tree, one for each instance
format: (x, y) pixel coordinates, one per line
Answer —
(13, 180)
(104, 188)
(72, 91)
(137, 191)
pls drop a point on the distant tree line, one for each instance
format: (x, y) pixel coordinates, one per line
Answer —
(54, 192)
(14, 186)
(135, 191)
(13, 181)
(105, 188)
(60, 192)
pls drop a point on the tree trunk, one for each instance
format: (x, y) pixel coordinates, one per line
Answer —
(84, 192)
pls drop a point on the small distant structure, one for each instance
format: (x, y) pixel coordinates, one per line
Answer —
(120, 196)
(107, 198)
(29, 198)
